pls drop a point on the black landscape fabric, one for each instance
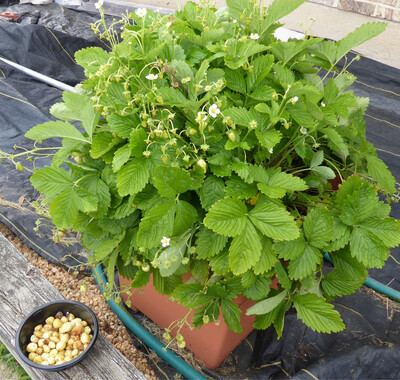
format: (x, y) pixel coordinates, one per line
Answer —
(45, 40)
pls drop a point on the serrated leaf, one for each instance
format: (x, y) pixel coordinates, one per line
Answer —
(132, 178)
(324, 172)
(245, 250)
(335, 284)
(317, 313)
(378, 170)
(368, 249)
(123, 125)
(284, 75)
(189, 295)
(227, 217)
(172, 97)
(305, 264)
(335, 140)
(209, 243)
(360, 35)
(248, 279)
(387, 230)
(267, 305)
(243, 171)
(104, 249)
(165, 285)
(279, 9)
(156, 223)
(126, 208)
(258, 173)
(261, 67)
(264, 321)
(286, 181)
(171, 181)
(262, 94)
(348, 265)
(242, 54)
(55, 129)
(267, 259)
(301, 114)
(97, 187)
(81, 107)
(199, 270)
(347, 188)
(231, 313)
(185, 216)
(137, 142)
(274, 221)
(259, 290)
(121, 156)
(269, 139)
(141, 279)
(102, 143)
(235, 81)
(340, 235)
(236, 187)
(64, 208)
(51, 180)
(317, 159)
(91, 58)
(182, 69)
(202, 70)
(271, 191)
(360, 205)
(281, 274)
(219, 263)
(289, 250)
(318, 226)
(211, 191)
(239, 115)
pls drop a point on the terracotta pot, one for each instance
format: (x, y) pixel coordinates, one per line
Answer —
(211, 343)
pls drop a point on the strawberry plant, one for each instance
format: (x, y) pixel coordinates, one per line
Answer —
(206, 145)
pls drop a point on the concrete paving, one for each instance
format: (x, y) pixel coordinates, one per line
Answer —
(329, 23)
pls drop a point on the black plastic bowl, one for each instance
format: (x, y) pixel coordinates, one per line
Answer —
(38, 317)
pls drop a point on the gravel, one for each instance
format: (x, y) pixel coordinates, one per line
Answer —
(70, 286)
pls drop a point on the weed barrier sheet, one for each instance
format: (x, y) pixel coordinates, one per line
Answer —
(45, 40)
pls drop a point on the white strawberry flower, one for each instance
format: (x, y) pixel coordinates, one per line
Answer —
(254, 36)
(294, 100)
(201, 117)
(303, 130)
(234, 21)
(99, 4)
(168, 24)
(141, 12)
(165, 241)
(323, 104)
(152, 76)
(271, 150)
(214, 111)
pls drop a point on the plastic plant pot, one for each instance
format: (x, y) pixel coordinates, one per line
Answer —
(39, 315)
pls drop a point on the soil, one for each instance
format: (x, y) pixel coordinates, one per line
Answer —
(84, 289)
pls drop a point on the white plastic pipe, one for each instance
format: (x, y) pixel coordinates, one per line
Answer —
(41, 77)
